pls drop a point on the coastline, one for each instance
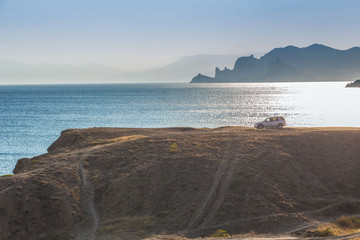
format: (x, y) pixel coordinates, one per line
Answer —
(49, 110)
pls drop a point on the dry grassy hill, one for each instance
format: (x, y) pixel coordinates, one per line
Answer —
(116, 183)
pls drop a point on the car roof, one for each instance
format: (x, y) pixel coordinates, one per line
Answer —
(277, 117)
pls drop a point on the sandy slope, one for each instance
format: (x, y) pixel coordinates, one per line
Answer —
(107, 183)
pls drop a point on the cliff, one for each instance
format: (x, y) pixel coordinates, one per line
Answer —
(313, 63)
(107, 183)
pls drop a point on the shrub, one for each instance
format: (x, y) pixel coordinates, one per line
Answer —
(348, 222)
(221, 233)
(173, 148)
(324, 232)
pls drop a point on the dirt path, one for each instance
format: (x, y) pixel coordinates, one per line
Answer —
(216, 194)
(87, 193)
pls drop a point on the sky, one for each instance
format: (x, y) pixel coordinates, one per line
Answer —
(141, 34)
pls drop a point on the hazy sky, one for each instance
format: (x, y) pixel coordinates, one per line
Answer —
(148, 33)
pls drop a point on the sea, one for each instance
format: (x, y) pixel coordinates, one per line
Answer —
(32, 117)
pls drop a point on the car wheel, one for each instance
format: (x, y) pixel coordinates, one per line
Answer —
(280, 125)
(260, 126)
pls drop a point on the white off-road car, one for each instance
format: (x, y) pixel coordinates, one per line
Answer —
(271, 122)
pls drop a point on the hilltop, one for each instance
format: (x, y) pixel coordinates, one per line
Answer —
(313, 63)
(119, 183)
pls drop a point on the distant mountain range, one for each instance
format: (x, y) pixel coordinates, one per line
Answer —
(17, 72)
(314, 63)
(181, 70)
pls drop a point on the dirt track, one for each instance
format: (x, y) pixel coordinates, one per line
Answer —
(183, 181)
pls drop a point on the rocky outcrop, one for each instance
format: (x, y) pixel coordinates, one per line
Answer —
(244, 68)
(354, 84)
(202, 79)
(314, 63)
(107, 183)
(21, 164)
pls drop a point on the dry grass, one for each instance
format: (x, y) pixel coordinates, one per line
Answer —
(348, 222)
(7, 175)
(166, 237)
(221, 233)
(117, 140)
(124, 224)
(342, 226)
(325, 232)
(173, 147)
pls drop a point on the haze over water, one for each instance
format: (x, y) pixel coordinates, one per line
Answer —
(32, 117)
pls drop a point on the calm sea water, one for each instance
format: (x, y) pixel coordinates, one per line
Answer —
(32, 117)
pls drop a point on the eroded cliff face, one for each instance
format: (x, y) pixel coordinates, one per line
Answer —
(107, 183)
(42, 199)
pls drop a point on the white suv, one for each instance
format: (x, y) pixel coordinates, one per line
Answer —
(271, 122)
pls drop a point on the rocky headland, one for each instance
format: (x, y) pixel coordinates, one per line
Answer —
(354, 84)
(118, 183)
(290, 64)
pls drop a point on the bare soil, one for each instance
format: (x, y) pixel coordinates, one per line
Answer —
(118, 183)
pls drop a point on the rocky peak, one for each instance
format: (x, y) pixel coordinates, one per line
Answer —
(245, 62)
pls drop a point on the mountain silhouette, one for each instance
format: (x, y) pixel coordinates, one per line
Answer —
(313, 63)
